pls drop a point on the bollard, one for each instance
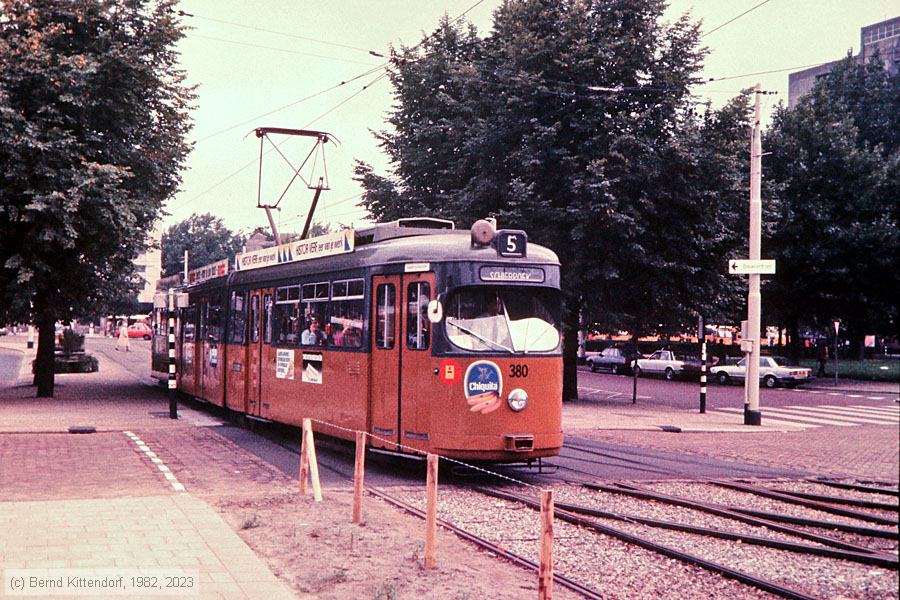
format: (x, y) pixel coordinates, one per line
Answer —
(359, 476)
(703, 377)
(545, 573)
(431, 482)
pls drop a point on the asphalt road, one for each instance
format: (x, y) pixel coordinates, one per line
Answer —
(686, 394)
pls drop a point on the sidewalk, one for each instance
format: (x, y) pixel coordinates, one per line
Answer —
(108, 505)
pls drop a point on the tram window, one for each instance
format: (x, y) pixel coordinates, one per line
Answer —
(314, 305)
(490, 319)
(287, 316)
(267, 319)
(188, 316)
(238, 329)
(345, 324)
(254, 319)
(385, 315)
(418, 328)
(214, 320)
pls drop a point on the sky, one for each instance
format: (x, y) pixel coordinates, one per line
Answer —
(280, 63)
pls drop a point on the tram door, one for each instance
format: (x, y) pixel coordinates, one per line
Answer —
(385, 378)
(401, 359)
(259, 332)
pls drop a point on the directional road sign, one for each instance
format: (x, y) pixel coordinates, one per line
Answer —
(749, 267)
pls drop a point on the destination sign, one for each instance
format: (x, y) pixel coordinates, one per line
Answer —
(512, 274)
(340, 242)
(751, 267)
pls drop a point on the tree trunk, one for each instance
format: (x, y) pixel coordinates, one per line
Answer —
(43, 367)
(570, 352)
(794, 348)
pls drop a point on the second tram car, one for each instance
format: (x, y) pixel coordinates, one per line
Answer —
(426, 337)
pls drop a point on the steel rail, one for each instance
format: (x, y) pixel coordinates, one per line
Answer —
(479, 541)
(840, 500)
(790, 499)
(888, 562)
(853, 486)
(745, 578)
(805, 522)
(727, 512)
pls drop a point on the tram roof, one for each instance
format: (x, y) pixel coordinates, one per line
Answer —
(437, 246)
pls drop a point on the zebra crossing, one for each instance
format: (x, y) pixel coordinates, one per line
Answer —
(806, 417)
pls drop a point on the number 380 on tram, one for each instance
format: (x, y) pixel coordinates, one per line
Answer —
(428, 338)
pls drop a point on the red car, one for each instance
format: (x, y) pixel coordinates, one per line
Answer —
(140, 330)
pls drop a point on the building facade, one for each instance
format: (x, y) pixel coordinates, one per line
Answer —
(882, 38)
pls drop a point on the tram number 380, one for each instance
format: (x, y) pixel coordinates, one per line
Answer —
(518, 370)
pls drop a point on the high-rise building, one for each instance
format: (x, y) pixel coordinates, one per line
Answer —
(148, 267)
(883, 38)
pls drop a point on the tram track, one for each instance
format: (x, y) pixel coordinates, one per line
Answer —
(481, 527)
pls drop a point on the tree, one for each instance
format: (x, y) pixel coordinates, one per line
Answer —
(572, 120)
(206, 239)
(94, 115)
(834, 175)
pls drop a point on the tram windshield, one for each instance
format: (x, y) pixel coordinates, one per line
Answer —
(503, 319)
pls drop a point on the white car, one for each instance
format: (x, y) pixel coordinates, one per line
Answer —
(773, 371)
(662, 362)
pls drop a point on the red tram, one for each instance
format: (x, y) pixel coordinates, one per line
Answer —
(441, 340)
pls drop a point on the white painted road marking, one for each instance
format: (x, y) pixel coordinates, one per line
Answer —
(167, 473)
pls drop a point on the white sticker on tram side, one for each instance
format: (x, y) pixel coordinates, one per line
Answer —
(167, 473)
(419, 267)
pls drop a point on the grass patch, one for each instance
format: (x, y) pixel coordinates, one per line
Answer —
(885, 369)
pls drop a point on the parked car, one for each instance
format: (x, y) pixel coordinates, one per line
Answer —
(140, 330)
(773, 371)
(3, 331)
(661, 362)
(618, 360)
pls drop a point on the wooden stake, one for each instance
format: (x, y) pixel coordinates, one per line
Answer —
(309, 450)
(431, 482)
(545, 575)
(304, 462)
(359, 473)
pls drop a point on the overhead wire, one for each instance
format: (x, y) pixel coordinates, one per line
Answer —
(733, 19)
(276, 49)
(275, 32)
(369, 85)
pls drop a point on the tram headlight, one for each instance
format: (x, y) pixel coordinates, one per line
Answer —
(517, 399)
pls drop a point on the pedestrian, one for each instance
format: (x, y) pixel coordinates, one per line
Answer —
(822, 358)
(123, 337)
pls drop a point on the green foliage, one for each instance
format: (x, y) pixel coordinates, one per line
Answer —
(573, 120)
(93, 115)
(206, 239)
(834, 178)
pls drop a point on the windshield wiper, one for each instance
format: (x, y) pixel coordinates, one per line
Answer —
(478, 337)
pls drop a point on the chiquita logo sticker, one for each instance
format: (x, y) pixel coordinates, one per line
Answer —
(484, 385)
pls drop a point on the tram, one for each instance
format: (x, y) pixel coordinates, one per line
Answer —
(428, 338)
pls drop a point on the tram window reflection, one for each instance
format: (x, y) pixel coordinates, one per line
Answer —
(497, 319)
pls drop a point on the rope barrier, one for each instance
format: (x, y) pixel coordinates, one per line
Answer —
(423, 453)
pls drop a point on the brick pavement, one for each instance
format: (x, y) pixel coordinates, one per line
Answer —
(100, 501)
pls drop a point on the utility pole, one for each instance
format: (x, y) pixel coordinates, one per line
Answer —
(752, 416)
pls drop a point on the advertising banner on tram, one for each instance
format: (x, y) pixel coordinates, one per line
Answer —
(339, 242)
